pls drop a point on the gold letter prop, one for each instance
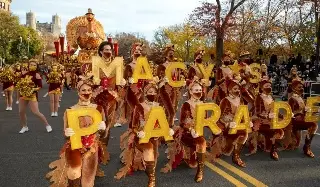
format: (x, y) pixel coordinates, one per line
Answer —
(255, 72)
(242, 113)
(142, 70)
(276, 124)
(170, 69)
(73, 122)
(116, 65)
(211, 122)
(156, 113)
(311, 101)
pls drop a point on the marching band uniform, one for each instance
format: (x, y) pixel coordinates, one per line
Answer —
(82, 164)
(263, 104)
(188, 145)
(298, 122)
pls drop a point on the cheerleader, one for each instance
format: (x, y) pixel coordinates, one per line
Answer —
(54, 81)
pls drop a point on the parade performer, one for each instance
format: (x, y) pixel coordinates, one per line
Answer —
(143, 156)
(293, 76)
(168, 95)
(7, 78)
(298, 122)
(134, 92)
(18, 74)
(188, 145)
(28, 87)
(81, 164)
(54, 79)
(263, 111)
(234, 143)
(224, 72)
(194, 72)
(264, 71)
(106, 93)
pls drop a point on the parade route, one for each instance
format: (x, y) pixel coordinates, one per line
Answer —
(24, 158)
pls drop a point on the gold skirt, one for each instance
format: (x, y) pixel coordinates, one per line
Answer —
(56, 91)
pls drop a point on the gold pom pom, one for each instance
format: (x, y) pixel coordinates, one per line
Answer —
(26, 86)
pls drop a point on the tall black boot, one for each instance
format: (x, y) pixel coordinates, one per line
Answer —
(236, 155)
(273, 153)
(307, 146)
(200, 158)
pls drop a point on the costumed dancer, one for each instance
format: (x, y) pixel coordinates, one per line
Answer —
(188, 145)
(28, 87)
(224, 72)
(264, 71)
(18, 73)
(106, 94)
(234, 143)
(78, 167)
(54, 80)
(298, 123)
(194, 72)
(293, 76)
(263, 111)
(134, 92)
(168, 96)
(8, 77)
(136, 156)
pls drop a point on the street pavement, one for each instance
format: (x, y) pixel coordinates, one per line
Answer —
(24, 158)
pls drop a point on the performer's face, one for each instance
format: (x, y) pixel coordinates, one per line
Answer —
(294, 71)
(137, 51)
(199, 58)
(90, 17)
(171, 54)
(263, 68)
(300, 89)
(235, 91)
(196, 91)
(106, 51)
(151, 94)
(85, 93)
(18, 67)
(226, 60)
(32, 66)
(267, 88)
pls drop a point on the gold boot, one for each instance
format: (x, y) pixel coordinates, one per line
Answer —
(151, 172)
(74, 183)
(273, 153)
(307, 147)
(200, 159)
(236, 155)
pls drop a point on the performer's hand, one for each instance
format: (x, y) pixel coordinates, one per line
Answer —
(194, 134)
(141, 134)
(130, 80)
(232, 125)
(272, 115)
(165, 80)
(243, 82)
(171, 132)
(308, 109)
(102, 126)
(251, 124)
(123, 82)
(68, 132)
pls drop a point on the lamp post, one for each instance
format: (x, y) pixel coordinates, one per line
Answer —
(28, 40)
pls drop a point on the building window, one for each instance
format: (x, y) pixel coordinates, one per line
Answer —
(2, 5)
(8, 7)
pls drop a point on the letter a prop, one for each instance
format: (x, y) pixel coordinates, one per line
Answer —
(156, 113)
(276, 123)
(73, 122)
(311, 101)
(242, 113)
(211, 122)
(142, 70)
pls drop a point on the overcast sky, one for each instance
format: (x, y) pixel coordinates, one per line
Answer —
(143, 16)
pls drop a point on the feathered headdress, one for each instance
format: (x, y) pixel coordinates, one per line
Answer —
(264, 81)
(151, 84)
(85, 79)
(167, 49)
(296, 82)
(135, 45)
(199, 51)
(193, 83)
(230, 83)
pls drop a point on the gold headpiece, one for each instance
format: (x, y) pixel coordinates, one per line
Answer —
(87, 79)
(193, 83)
(244, 53)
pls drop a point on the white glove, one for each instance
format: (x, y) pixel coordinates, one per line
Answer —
(165, 79)
(68, 132)
(102, 126)
(194, 134)
(195, 78)
(271, 115)
(141, 134)
(171, 132)
(130, 80)
(243, 82)
(251, 124)
(123, 82)
(307, 109)
(232, 125)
